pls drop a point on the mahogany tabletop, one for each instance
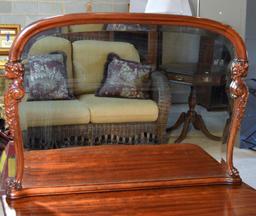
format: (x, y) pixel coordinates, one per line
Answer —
(186, 201)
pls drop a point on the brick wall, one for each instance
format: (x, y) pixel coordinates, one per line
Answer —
(26, 11)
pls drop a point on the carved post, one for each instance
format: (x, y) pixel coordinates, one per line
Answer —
(14, 94)
(239, 93)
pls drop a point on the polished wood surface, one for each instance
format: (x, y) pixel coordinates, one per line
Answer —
(14, 71)
(188, 201)
(119, 167)
(118, 164)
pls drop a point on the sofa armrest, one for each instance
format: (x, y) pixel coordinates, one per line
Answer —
(161, 94)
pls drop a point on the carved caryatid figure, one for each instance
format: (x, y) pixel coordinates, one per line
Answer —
(15, 92)
(13, 71)
(239, 93)
(238, 87)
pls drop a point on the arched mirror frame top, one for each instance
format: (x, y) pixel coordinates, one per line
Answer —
(14, 70)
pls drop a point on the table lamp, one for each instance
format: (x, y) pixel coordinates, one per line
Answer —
(137, 6)
(179, 7)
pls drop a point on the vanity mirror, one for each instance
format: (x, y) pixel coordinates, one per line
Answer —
(89, 102)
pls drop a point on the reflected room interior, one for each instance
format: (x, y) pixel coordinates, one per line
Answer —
(196, 63)
(80, 92)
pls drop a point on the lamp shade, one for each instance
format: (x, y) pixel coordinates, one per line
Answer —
(180, 7)
(138, 6)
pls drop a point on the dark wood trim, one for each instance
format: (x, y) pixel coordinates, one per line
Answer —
(152, 48)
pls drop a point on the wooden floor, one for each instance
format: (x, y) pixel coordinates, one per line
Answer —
(188, 201)
(106, 165)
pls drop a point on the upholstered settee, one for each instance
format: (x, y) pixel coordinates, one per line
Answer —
(87, 119)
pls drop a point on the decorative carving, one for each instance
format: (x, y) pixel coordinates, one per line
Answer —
(12, 185)
(14, 71)
(239, 92)
(238, 89)
(14, 94)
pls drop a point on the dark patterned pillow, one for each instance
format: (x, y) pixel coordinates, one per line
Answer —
(48, 78)
(123, 78)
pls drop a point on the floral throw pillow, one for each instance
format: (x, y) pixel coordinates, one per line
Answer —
(48, 78)
(123, 78)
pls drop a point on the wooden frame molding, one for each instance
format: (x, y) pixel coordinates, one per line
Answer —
(14, 70)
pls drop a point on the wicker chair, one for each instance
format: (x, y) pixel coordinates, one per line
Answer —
(83, 134)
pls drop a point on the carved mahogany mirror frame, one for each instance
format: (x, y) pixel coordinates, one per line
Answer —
(14, 70)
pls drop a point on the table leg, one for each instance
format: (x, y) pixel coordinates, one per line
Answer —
(191, 117)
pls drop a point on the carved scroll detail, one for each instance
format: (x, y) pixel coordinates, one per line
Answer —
(239, 92)
(14, 71)
(12, 185)
(14, 94)
(238, 89)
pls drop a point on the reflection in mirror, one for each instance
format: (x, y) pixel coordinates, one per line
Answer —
(67, 70)
(198, 64)
(96, 84)
(58, 107)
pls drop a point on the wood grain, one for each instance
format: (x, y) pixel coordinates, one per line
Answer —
(191, 201)
(119, 167)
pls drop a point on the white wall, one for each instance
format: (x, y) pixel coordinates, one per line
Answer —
(231, 12)
(24, 12)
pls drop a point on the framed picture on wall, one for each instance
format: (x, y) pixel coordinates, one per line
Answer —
(8, 32)
(3, 60)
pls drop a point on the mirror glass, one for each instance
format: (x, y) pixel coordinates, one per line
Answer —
(73, 100)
